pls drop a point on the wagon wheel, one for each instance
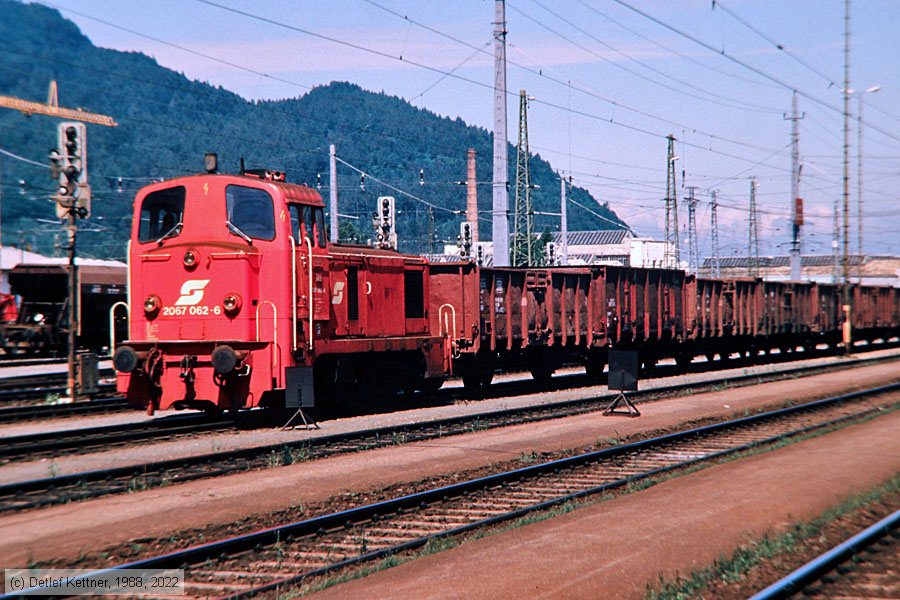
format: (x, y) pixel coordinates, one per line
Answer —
(542, 372)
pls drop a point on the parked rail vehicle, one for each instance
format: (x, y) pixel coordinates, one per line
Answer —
(41, 326)
(238, 300)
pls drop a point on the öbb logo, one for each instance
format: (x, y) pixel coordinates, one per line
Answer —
(192, 292)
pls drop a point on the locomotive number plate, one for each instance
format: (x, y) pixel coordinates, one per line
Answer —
(193, 311)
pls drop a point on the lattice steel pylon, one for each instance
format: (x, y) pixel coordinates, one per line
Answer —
(753, 238)
(672, 254)
(693, 254)
(714, 225)
(522, 253)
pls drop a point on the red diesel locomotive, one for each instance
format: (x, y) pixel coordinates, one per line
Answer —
(238, 300)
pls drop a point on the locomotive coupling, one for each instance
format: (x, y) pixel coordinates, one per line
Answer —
(127, 359)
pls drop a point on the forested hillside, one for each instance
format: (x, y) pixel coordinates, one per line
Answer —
(167, 122)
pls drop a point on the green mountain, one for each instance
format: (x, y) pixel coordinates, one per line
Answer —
(167, 122)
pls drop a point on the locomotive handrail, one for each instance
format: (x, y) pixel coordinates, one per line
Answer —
(274, 328)
(442, 318)
(309, 336)
(112, 323)
(293, 293)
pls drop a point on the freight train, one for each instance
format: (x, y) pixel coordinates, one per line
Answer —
(237, 300)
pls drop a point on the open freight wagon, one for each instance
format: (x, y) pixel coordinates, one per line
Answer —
(42, 325)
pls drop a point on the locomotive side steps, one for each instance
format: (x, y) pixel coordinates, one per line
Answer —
(122, 479)
(279, 557)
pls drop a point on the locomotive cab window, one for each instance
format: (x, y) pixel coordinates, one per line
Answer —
(162, 214)
(251, 212)
(308, 221)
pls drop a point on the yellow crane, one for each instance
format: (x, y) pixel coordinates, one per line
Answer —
(53, 109)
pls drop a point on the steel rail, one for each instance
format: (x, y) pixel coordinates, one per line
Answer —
(816, 568)
(383, 510)
(10, 414)
(27, 494)
(106, 435)
(36, 392)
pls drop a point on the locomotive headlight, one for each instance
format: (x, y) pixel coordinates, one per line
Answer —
(231, 303)
(151, 304)
(190, 258)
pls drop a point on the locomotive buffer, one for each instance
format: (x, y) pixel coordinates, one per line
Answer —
(623, 376)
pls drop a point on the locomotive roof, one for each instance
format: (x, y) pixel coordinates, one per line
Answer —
(293, 192)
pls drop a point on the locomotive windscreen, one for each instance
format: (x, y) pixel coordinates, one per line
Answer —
(161, 212)
(250, 211)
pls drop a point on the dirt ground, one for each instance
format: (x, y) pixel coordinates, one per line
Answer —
(614, 549)
(65, 532)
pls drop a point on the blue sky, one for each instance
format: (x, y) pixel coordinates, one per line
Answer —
(608, 85)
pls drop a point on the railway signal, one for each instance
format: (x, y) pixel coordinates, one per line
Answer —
(384, 221)
(551, 256)
(464, 241)
(68, 163)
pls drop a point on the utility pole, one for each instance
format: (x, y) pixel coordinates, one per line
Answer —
(753, 238)
(430, 230)
(714, 224)
(500, 207)
(332, 195)
(796, 202)
(693, 256)
(563, 222)
(835, 244)
(859, 177)
(522, 240)
(848, 341)
(672, 255)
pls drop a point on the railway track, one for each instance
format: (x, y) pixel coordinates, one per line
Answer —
(37, 445)
(40, 388)
(27, 412)
(864, 566)
(101, 482)
(39, 409)
(280, 557)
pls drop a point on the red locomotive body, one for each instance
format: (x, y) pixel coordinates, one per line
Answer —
(237, 300)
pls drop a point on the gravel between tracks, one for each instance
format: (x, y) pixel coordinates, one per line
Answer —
(64, 532)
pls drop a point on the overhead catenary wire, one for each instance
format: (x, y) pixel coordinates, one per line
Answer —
(482, 84)
(778, 46)
(746, 65)
(734, 103)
